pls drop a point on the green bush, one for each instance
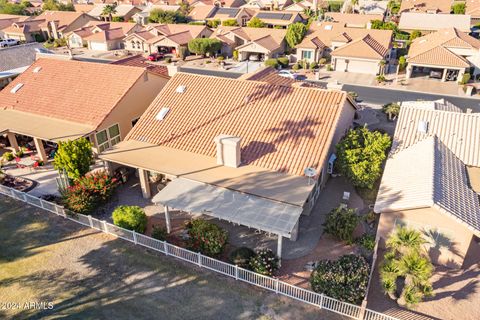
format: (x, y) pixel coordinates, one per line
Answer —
(322, 61)
(313, 65)
(272, 63)
(19, 153)
(465, 78)
(392, 110)
(341, 222)
(220, 58)
(335, 6)
(296, 67)
(367, 241)
(202, 46)
(75, 157)
(329, 67)
(168, 60)
(131, 218)
(256, 23)
(230, 23)
(159, 233)
(242, 256)
(402, 63)
(295, 34)
(8, 156)
(283, 61)
(345, 279)
(264, 262)
(458, 8)
(380, 78)
(213, 23)
(206, 237)
(235, 55)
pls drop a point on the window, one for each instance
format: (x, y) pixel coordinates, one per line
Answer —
(108, 138)
(306, 54)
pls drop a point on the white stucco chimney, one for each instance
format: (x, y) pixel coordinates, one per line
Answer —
(228, 150)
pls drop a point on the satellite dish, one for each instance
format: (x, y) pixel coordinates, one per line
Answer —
(310, 173)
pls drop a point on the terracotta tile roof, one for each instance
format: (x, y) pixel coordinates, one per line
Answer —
(277, 17)
(144, 35)
(433, 22)
(284, 129)
(142, 62)
(62, 18)
(271, 38)
(106, 35)
(353, 19)
(200, 13)
(366, 48)
(472, 7)
(433, 49)
(82, 92)
(22, 27)
(438, 6)
(268, 75)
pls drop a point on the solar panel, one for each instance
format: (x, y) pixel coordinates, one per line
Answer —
(274, 15)
(231, 12)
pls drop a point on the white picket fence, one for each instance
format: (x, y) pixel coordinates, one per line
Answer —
(233, 271)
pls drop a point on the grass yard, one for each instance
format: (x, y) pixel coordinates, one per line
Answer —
(91, 275)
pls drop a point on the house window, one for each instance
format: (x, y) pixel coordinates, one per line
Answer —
(108, 138)
(306, 54)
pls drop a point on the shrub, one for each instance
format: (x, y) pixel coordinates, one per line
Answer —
(256, 23)
(295, 34)
(213, 23)
(322, 61)
(264, 262)
(166, 16)
(402, 63)
(392, 110)
(380, 78)
(283, 61)
(202, 46)
(272, 63)
(313, 65)
(230, 23)
(182, 53)
(329, 67)
(74, 157)
(367, 241)
(220, 58)
(8, 156)
(296, 67)
(130, 217)
(242, 256)
(206, 237)
(360, 155)
(345, 279)
(168, 60)
(341, 222)
(458, 8)
(465, 78)
(88, 192)
(235, 55)
(20, 153)
(159, 233)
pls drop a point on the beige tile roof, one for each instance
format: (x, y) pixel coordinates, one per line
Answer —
(364, 48)
(432, 49)
(436, 179)
(140, 61)
(22, 27)
(271, 38)
(472, 7)
(284, 129)
(433, 22)
(353, 19)
(62, 18)
(440, 104)
(278, 20)
(268, 75)
(70, 90)
(106, 35)
(439, 6)
(460, 132)
(200, 13)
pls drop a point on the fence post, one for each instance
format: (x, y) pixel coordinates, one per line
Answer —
(236, 272)
(134, 236)
(24, 197)
(276, 285)
(90, 221)
(199, 255)
(363, 310)
(105, 226)
(166, 247)
(321, 301)
(41, 204)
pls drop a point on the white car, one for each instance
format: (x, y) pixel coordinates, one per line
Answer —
(8, 43)
(287, 74)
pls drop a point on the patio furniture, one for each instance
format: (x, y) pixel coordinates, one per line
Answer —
(26, 162)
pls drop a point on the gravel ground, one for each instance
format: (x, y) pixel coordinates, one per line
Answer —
(91, 275)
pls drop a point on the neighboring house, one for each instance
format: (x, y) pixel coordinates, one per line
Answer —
(426, 22)
(123, 12)
(241, 15)
(268, 5)
(117, 95)
(372, 7)
(429, 179)
(426, 6)
(200, 13)
(6, 20)
(472, 8)
(268, 75)
(142, 16)
(14, 60)
(140, 61)
(102, 36)
(279, 19)
(49, 24)
(351, 49)
(300, 6)
(449, 51)
(237, 154)
(168, 38)
(352, 20)
(262, 42)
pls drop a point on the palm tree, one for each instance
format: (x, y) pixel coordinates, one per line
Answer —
(382, 64)
(392, 110)
(404, 240)
(109, 10)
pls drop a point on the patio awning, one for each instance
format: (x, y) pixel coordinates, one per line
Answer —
(247, 210)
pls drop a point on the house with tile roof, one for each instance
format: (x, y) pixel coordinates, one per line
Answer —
(268, 75)
(426, 6)
(262, 42)
(102, 36)
(437, 194)
(372, 7)
(352, 20)
(448, 51)
(168, 38)
(301, 6)
(241, 15)
(15, 60)
(140, 61)
(251, 143)
(426, 22)
(64, 112)
(200, 13)
(6, 20)
(268, 5)
(350, 49)
(279, 19)
(142, 16)
(124, 12)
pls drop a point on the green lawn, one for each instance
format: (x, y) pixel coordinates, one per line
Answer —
(90, 275)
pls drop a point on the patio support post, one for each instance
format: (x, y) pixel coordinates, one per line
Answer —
(12, 139)
(144, 183)
(279, 249)
(40, 150)
(167, 219)
(444, 75)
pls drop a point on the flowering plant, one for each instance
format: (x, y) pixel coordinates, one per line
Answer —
(206, 237)
(264, 262)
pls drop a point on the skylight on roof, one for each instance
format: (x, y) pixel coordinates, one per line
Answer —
(423, 126)
(16, 88)
(162, 113)
(181, 89)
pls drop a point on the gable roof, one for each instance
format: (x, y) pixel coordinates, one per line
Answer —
(62, 18)
(268, 75)
(284, 129)
(437, 6)
(433, 22)
(63, 85)
(200, 13)
(277, 17)
(141, 62)
(18, 56)
(271, 38)
(121, 10)
(438, 179)
(365, 48)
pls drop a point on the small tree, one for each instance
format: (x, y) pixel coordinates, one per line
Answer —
(392, 110)
(74, 157)
(213, 23)
(166, 16)
(295, 34)
(130, 217)
(53, 5)
(341, 222)
(360, 155)
(202, 46)
(458, 8)
(230, 23)
(415, 34)
(402, 63)
(109, 10)
(256, 23)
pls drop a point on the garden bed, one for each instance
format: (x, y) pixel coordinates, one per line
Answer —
(17, 183)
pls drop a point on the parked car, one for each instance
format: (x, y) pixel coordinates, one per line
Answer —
(254, 57)
(436, 74)
(288, 74)
(8, 43)
(156, 56)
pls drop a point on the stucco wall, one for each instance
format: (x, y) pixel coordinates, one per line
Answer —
(358, 66)
(448, 239)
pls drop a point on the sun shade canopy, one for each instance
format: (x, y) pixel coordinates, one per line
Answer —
(247, 210)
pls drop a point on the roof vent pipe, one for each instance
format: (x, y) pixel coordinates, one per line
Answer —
(228, 150)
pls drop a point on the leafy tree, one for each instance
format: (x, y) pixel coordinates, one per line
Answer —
(109, 10)
(166, 16)
(213, 23)
(74, 157)
(405, 260)
(394, 6)
(7, 7)
(415, 34)
(185, 7)
(295, 34)
(392, 110)
(402, 63)
(341, 222)
(230, 23)
(130, 217)
(458, 8)
(256, 23)
(361, 154)
(345, 279)
(203, 46)
(55, 5)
